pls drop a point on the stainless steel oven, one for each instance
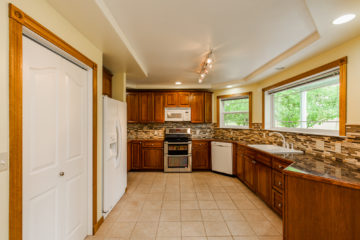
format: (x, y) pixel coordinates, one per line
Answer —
(177, 150)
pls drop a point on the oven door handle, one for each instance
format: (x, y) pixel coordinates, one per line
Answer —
(188, 155)
(174, 143)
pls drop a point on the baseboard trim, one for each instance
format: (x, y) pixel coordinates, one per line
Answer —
(97, 225)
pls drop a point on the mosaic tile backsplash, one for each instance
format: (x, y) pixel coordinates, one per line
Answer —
(350, 145)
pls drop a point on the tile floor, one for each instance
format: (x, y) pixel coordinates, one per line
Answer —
(191, 206)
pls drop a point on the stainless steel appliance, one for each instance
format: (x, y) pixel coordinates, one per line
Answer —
(177, 150)
(179, 114)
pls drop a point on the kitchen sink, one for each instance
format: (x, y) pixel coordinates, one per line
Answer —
(275, 149)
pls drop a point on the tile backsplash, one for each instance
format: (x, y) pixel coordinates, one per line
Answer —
(337, 149)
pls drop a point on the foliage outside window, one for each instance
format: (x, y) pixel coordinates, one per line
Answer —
(234, 112)
(311, 106)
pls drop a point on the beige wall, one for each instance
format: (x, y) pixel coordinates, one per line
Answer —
(351, 49)
(41, 11)
(119, 86)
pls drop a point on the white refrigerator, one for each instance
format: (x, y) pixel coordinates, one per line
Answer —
(114, 152)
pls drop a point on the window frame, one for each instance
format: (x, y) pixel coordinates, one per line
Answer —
(234, 96)
(267, 107)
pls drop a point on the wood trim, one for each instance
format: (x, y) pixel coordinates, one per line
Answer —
(18, 19)
(15, 130)
(249, 94)
(98, 224)
(342, 63)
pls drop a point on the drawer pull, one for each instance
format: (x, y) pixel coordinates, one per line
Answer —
(254, 162)
(279, 205)
(279, 183)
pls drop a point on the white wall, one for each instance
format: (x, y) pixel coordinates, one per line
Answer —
(41, 11)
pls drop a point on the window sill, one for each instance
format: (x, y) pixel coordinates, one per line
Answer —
(301, 131)
(235, 127)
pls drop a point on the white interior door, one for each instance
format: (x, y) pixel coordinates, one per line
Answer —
(55, 152)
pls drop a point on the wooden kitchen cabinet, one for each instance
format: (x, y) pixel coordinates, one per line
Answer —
(240, 162)
(249, 172)
(146, 107)
(128, 155)
(159, 107)
(132, 100)
(263, 181)
(107, 82)
(184, 99)
(200, 155)
(152, 158)
(171, 99)
(197, 107)
(208, 107)
(136, 155)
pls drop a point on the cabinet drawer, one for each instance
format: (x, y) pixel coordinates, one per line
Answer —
(277, 202)
(278, 180)
(198, 144)
(279, 165)
(153, 144)
(250, 153)
(263, 159)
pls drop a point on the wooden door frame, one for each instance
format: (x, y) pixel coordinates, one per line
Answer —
(17, 20)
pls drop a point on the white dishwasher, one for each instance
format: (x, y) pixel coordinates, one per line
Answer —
(222, 157)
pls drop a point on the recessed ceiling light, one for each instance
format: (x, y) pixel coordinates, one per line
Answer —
(229, 86)
(344, 19)
(280, 68)
(178, 83)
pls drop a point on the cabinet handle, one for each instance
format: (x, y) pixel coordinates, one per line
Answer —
(279, 183)
(254, 162)
(279, 205)
(281, 167)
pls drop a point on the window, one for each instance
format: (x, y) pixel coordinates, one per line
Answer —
(234, 111)
(311, 104)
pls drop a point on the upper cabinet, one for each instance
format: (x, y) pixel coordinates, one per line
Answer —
(197, 104)
(107, 82)
(132, 100)
(149, 106)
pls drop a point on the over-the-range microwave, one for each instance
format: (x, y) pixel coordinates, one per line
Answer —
(174, 114)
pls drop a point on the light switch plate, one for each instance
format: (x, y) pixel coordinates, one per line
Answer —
(338, 147)
(4, 161)
(320, 145)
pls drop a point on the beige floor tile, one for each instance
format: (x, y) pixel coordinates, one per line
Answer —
(168, 196)
(194, 238)
(155, 196)
(104, 230)
(204, 195)
(232, 215)
(226, 205)
(189, 204)
(208, 205)
(149, 215)
(190, 215)
(271, 238)
(171, 205)
(217, 189)
(168, 238)
(192, 229)
(121, 230)
(240, 228)
(188, 196)
(246, 238)
(244, 204)
(134, 204)
(129, 215)
(221, 196)
(232, 189)
(201, 187)
(238, 196)
(211, 215)
(264, 228)
(170, 215)
(150, 204)
(219, 238)
(216, 229)
(253, 215)
(169, 229)
(144, 230)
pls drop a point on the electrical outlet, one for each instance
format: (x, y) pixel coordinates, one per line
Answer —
(320, 145)
(197, 131)
(4, 161)
(338, 147)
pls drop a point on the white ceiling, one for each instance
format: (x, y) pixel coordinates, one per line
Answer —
(159, 42)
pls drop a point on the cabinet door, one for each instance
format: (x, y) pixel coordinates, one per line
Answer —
(197, 107)
(240, 163)
(171, 99)
(208, 107)
(132, 100)
(263, 182)
(159, 107)
(136, 155)
(128, 156)
(200, 155)
(153, 158)
(107, 83)
(146, 107)
(184, 99)
(249, 172)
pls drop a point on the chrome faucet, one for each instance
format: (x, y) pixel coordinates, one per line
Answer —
(284, 143)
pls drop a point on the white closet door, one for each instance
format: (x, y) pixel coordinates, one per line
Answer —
(54, 146)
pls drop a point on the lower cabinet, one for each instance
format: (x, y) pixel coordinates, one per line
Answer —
(249, 172)
(200, 155)
(146, 155)
(240, 162)
(263, 182)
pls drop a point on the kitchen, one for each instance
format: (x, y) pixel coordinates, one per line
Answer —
(180, 119)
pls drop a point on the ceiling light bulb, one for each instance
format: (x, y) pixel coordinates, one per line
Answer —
(178, 83)
(229, 86)
(344, 19)
(202, 75)
(209, 60)
(200, 80)
(210, 66)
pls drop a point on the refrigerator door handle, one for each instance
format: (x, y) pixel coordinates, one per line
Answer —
(118, 144)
